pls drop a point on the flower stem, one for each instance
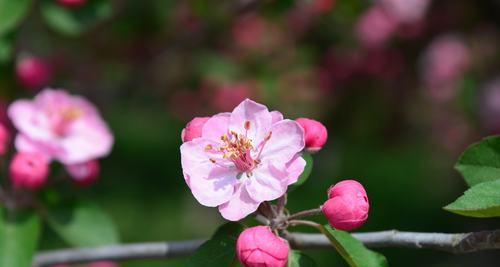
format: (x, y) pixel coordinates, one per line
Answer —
(305, 213)
(305, 222)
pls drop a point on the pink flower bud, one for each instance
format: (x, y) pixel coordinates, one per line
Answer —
(28, 170)
(4, 139)
(71, 3)
(103, 264)
(315, 134)
(33, 72)
(344, 187)
(258, 246)
(193, 129)
(84, 173)
(348, 205)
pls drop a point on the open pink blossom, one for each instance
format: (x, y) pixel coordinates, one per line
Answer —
(242, 159)
(60, 126)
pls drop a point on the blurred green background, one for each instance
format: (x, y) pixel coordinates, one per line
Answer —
(151, 65)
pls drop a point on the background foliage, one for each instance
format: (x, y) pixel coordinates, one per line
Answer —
(151, 65)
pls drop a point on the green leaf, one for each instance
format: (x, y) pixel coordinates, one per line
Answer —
(220, 250)
(305, 174)
(298, 259)
(82, 224)
(75, 21)
(12, 13)
(482, 200)
(5, 49)
(19, 233)
(481, 161)
(352, 250)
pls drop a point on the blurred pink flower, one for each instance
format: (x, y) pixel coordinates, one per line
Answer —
(103, 264)
(406, 11)
(375, 27)
(489, 106)
(33, 72)
(229, 95)
(84, 173)
(4, 139)
(28, 170)
(322, 6)
(61, 126)
(443, 62)
(242, 159)
(72, 3)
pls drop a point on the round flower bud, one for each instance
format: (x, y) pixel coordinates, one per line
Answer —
(33, 72)
(315, 134)
(347, 187)
(71, 3)
(28, 170)
(347, 206)
(4, 139)
(84, 173)
(258, 246)
(193, 129)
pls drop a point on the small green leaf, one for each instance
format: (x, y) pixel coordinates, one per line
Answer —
(352, 250)
(305, 174)
(481, 200)
(220, 250)
(481, 161)
(298, 259)
(19, 233)
(12, 13)
(5, 49)
(75, 21)
(83, 224)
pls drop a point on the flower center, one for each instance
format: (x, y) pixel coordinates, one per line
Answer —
(237, 148)
(62, 118)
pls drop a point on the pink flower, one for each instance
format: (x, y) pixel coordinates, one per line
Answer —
(61, 126)
(375, 27)
(406, 11)
(84, 173)
(242, 159)
(258, 246)
(28, 170)
(33, 72)
(4, 139)
(72, 3)
(315, 134)
(348, 205)
(193, 129)
(444, 61)
(103, 264)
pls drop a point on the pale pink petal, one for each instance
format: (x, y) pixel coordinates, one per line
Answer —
(267, 182)
(27, 119)
(239, 206)
(276, 116)
(253, 115)
(216, 126)
(287, 139)
(210, 183)
(295, 168)
(86, 141)
(25, 144)
(216, 189)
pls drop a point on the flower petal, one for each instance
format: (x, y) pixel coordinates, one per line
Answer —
(267, 182)
(257, 115)
(286, 141)
(295, 168)
(28, 120)
(276, 116)
(211, 184)
(216, 126)
(239, 206)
